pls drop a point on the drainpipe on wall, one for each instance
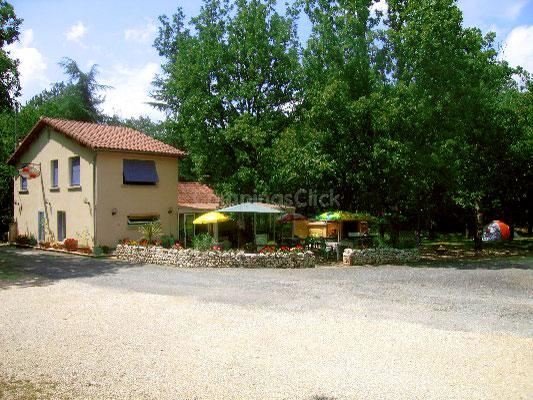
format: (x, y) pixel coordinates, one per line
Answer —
(94, 199)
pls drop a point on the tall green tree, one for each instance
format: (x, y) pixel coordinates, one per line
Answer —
(228, 85)
(455, 121)
(9, 76)
(9, 91)
(333, 133)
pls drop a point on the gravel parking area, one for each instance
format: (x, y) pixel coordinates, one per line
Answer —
(74, 327)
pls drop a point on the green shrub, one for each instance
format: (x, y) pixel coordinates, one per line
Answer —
(406, 240)
(26, 240)
(106, 249)
(23, 240)
(167, 241)
(32, 241)
(98, 251)
(380, 242)
(203, 242)
(150, 231)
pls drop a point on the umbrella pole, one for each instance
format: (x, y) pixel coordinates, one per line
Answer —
(255, 231)
(239, 218)
(292, 233)
(339, 241)
(274, 227)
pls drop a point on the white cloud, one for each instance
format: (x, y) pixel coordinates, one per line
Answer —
(518, 47)
(76, 32)
(142, 34)
(32, 65)
(130, 93)
(381, 5)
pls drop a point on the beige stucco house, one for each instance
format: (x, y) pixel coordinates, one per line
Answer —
(97, 183)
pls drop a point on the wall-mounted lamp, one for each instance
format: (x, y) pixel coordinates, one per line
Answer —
(114, 211)
(86, 201)
(170, 210)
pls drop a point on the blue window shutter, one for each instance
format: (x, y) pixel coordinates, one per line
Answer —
(139, 172)
(40, 222)
(75, 171)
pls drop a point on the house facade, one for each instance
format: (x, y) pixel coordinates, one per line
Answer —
(97, 183)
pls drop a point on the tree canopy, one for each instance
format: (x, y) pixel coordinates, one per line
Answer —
(405, 113)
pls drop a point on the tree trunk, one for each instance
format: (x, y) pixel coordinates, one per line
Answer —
(529, 222)
(478, 228)
(431, 230)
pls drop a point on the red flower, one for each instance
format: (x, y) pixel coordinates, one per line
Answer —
(267, 249)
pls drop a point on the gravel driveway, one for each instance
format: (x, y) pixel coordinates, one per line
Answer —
(74, 327)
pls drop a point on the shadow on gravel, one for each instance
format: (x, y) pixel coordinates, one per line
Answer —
(518, 262)
(29, 267)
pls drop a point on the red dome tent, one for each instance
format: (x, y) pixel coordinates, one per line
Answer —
(496, 230)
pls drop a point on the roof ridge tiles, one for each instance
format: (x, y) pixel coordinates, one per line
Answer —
(100, 137)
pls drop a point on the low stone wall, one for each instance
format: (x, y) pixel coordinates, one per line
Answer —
(214, 259)
(376, 256)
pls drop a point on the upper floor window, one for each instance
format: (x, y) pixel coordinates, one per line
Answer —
(23, 183)
(54, 173)
(75, 171)
(139, 172)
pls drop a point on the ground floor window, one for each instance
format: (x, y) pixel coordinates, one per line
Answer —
(40, 223)
(61, 226)
(136, 220)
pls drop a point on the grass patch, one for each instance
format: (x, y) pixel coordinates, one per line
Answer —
(522, 243)
(10, 274)
(519, 262)
(25, 390)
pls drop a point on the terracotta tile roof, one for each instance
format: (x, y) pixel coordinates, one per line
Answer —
(197, 195)
(100, 138)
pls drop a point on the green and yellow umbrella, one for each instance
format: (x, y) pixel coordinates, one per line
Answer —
(212, 217)
(338, 216)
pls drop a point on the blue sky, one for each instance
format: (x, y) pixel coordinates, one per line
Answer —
(118, 36)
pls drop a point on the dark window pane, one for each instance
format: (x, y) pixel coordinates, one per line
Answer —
(55, 173)
(134, 220)
(23, 183)
(139, 172)
(75, 171)
(61, 226)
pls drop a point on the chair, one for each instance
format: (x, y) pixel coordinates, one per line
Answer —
(261, 240)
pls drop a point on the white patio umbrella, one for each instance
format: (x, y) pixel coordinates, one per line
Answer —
(252, 208)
